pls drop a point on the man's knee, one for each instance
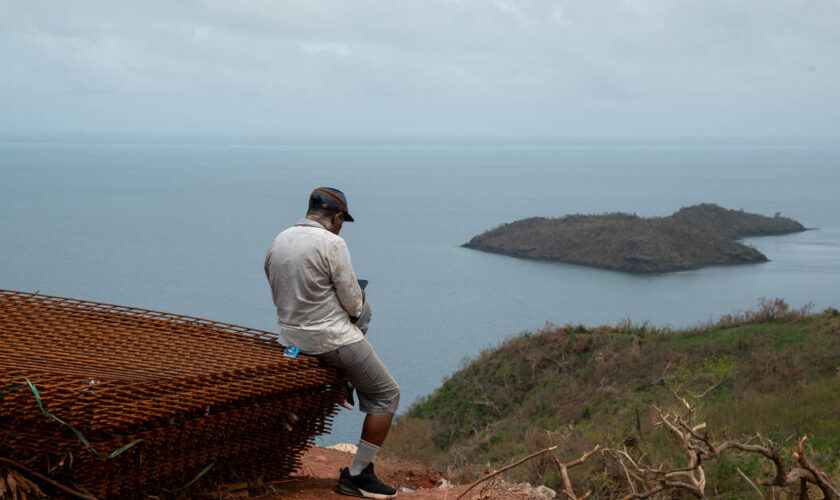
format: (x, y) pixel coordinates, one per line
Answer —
(383, 402)
(394, 397)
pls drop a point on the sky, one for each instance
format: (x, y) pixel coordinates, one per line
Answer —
(272, 68)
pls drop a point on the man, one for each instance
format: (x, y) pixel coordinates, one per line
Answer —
(318, 298)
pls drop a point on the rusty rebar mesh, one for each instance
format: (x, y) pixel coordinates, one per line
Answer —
(196, 392)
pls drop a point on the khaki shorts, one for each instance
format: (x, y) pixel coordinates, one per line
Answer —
(378, 392)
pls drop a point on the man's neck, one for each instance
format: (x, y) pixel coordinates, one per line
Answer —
(325, 224)
(316, 219)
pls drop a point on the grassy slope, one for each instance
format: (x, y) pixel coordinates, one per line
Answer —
(596, 386)
(693, 237)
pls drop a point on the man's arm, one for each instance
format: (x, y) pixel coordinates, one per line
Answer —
(350, 294)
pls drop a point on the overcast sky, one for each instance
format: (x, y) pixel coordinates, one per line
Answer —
(452, 67)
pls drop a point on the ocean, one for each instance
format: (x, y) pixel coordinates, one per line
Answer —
(184, 228)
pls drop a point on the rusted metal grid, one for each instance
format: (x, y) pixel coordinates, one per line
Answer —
(197, 393)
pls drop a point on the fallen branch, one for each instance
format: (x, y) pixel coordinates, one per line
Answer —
(659, 476)
(511, 466)
(564, 472)
(750, 481)
(47, 479)
(667, 485)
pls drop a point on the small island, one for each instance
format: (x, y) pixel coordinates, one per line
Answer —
(691, 238)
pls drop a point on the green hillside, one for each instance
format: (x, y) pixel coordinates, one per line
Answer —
(579, 387)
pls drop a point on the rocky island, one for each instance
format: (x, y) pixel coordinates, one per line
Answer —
(691, 238)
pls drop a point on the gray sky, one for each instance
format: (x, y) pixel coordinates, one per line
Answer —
(451, 67)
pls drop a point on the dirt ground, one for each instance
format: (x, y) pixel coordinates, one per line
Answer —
(317, 476)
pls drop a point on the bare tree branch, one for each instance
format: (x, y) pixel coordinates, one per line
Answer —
(696, 443)
(511, 466)
(564, 473)
(751, 483)
(627, 474)
(817, 476)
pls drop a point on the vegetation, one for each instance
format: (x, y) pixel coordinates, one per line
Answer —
(733, 223)
(774, 371)
(693, 237)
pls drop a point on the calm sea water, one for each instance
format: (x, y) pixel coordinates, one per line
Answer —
(184, 228)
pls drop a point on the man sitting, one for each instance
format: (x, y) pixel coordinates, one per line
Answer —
(318, 299)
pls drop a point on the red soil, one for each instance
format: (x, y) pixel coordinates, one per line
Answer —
(317, 476)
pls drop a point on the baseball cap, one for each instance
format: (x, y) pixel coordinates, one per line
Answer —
(330, 199)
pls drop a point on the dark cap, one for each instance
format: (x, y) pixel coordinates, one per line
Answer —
(330, 199)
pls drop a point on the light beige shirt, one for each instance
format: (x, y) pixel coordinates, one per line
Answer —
(314, 288)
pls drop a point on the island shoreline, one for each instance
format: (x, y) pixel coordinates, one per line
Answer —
(692, 238)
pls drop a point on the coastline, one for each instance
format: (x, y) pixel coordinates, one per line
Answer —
(628, 270)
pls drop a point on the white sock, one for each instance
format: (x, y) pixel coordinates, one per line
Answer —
(364, 455)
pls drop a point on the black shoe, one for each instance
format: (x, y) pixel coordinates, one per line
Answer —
(365, 485)
(349, 403)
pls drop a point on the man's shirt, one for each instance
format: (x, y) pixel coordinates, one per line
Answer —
(314, 288)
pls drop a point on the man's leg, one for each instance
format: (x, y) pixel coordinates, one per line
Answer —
(362, 323)
(376, 427)
(374, 432)
(379, 397)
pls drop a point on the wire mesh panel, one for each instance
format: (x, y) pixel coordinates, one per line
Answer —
(129, 402)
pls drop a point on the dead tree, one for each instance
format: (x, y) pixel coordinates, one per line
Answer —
(564, 468)
(698, 447)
